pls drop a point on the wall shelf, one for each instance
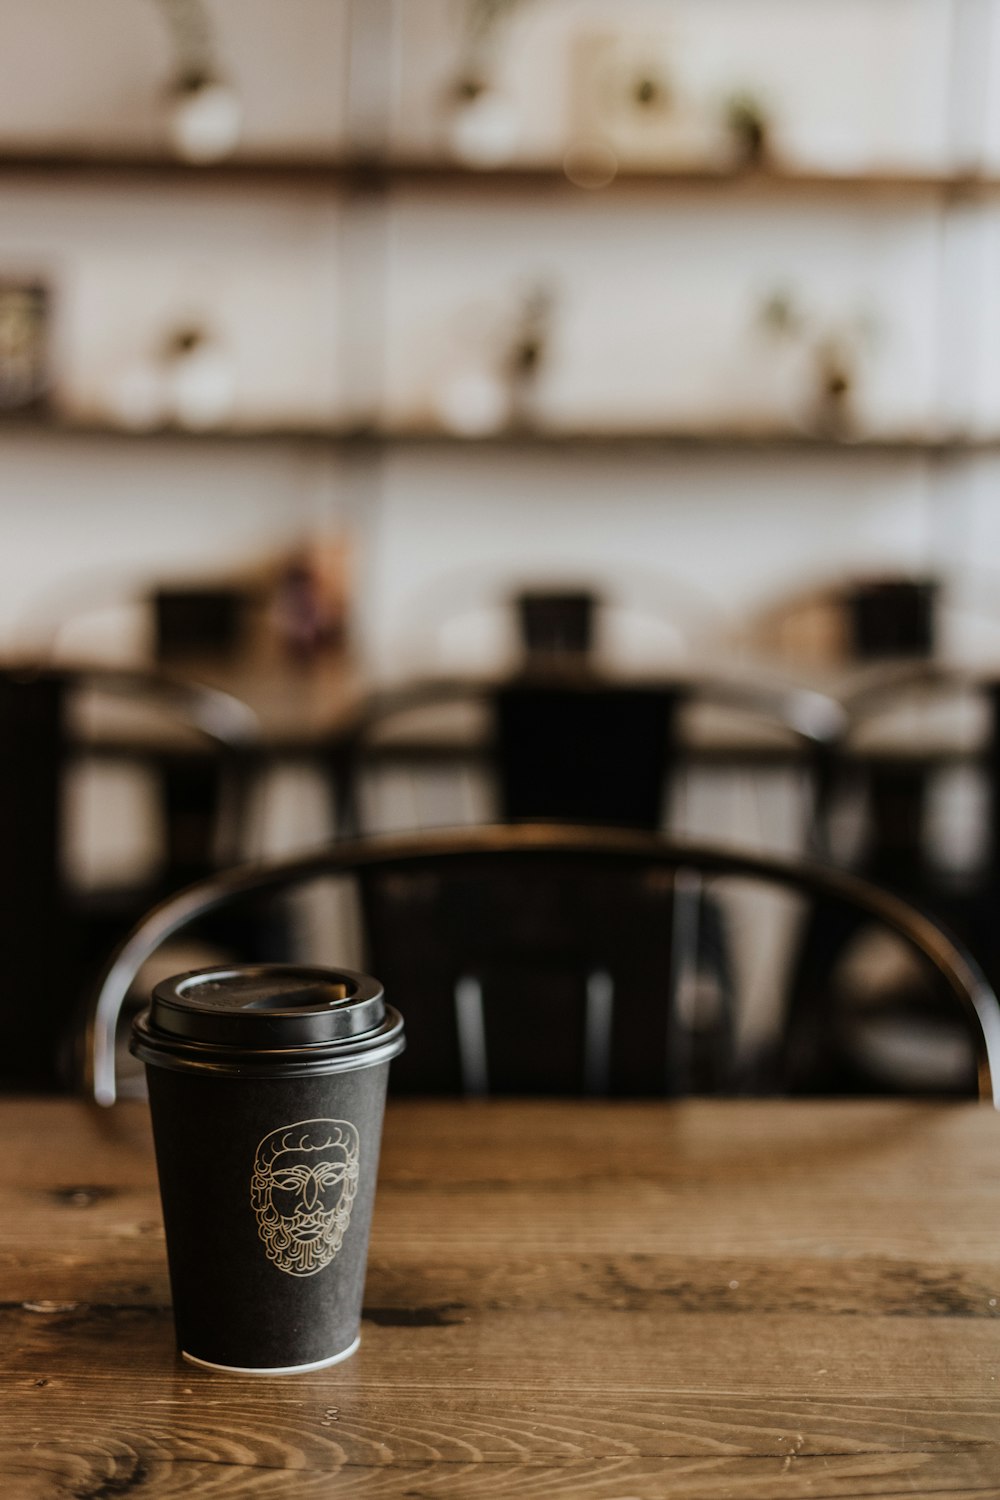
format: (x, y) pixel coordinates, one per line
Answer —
(666, 439)
(376, 174)
(394, 237)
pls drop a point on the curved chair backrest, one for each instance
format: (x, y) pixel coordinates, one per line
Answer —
(667, 877)
(572, 744)
(875, 687)
(215, 716)
(210, 710)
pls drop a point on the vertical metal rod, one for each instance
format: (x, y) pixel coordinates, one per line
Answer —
(683, 977)
(471, 1024)
(598, 1017)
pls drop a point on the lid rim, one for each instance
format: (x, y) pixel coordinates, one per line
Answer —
(229, 1005)
(291, 1062)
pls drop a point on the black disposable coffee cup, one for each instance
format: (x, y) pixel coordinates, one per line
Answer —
(267, 1089)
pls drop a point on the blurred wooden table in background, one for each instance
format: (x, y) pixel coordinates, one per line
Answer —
(705, 1299)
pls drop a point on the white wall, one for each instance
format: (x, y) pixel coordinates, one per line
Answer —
(821, 66)
(658, 301)
(258, 271)
(698, 540)
(96, 74)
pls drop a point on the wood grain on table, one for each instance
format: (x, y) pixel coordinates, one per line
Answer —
(698, 1300)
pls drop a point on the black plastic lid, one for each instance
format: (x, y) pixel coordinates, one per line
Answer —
(264, 1017)
(270, 1005)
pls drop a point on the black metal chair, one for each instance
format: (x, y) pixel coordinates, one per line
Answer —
(555, 959)
(572, 744)
(54, 935)
(851, 621)
(192, 619)
(911, 724)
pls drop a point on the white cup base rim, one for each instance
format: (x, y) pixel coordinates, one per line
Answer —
(316, 1364)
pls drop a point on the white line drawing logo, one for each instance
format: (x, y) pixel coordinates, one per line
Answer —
(304, 1180)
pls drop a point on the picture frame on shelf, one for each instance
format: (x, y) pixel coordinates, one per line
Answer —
(25, 312)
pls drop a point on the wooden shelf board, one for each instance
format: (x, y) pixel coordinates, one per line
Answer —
(736, 439)
(361, 173)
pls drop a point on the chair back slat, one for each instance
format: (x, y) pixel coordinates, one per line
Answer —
(584, 752)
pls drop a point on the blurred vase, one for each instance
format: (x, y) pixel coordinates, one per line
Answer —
(473, 403)
(205, 119)
(483, 128)
(199, 376)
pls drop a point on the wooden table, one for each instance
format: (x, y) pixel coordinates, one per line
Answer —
(693, 1301)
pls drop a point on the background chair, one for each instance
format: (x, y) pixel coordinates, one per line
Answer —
(54, 933)
(205, 619)
(572, 744)
(543, 959)
(914, 805)
(892, 618)
(585, 749)
(910, 802)
(847, 622)
(487, 622)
